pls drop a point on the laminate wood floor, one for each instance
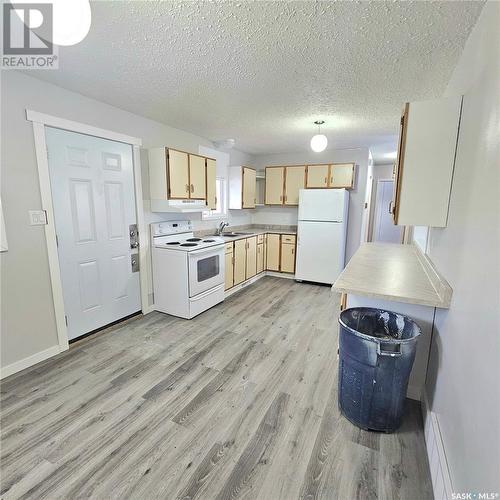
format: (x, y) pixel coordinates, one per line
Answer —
(238, 402)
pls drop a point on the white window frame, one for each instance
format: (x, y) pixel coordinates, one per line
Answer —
(222, 198)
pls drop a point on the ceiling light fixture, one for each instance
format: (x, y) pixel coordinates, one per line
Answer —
(319, 141)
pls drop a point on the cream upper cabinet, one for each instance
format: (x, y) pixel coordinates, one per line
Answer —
(197, 177)
(295, 179)
(425, 162)
(240, 257)
(178, 174)
(275, 177)
(249, 187)
(260, 257)
(287, 257)
(211, 178)
(242, 187)
(251, 269)
(317, 176)
(273, 252)
(342, 175)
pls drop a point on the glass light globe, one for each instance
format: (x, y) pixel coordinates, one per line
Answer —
(319, 143)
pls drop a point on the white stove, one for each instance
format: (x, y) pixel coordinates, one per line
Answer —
(178, 235)
(188, 272)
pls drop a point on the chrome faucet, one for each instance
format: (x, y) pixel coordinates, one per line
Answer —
(221, 228)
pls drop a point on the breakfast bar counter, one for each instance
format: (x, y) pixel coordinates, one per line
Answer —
(394, 272)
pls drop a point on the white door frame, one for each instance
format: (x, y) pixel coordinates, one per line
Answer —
(40, 121)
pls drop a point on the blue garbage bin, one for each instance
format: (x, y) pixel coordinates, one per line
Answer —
(376, 353)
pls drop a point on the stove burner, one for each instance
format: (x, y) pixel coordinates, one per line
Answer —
(193, 239)
(189, 244)
(173, 243)
(208, 241)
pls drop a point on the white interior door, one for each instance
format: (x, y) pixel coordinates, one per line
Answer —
(92, 181)
(384, 228)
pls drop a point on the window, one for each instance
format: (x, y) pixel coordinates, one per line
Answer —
(220, 210)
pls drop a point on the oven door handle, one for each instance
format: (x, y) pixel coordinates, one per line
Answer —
(214, 249)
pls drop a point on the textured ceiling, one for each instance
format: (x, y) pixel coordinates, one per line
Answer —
(262, 72)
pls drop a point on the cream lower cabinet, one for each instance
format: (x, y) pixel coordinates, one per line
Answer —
(248, 257)
(287, 261)
(260, 258)
(281, 253)
(229, 269)
(240, 261)
(251, 260)
(273, 252)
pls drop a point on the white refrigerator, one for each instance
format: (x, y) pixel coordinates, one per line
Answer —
(321, 234)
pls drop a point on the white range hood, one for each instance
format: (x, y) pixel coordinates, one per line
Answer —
(179, 206)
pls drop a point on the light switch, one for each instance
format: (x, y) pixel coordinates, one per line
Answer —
(37, 217)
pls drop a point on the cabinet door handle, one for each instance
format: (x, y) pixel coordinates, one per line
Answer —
(187, 188)
(391, 209)
(192, 188)
(331, 180)
(326, 180)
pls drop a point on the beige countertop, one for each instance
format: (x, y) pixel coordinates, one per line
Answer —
(247, 232)
(394, 272)
(255, 232)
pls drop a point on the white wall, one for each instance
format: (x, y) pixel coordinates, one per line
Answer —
(463, 382)
(274, 215)
(27, 322)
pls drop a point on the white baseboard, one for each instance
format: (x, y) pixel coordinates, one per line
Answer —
(276, 274)
(253, 279)
(22, 364)
(239, 287)
(440, 474)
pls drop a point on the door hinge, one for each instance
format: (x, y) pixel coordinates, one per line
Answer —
(66, 320)
(57, 241)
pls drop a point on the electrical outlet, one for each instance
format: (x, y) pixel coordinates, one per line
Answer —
(37, 217)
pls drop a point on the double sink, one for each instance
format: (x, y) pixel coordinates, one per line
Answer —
(232, 234)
